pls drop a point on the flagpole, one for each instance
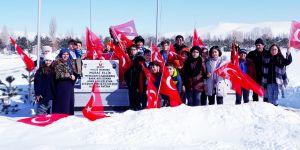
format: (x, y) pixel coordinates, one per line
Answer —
(39, 33)
(156, 33)
(91, 15)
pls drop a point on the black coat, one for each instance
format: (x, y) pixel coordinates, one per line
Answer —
(257, 58)
(44, 85)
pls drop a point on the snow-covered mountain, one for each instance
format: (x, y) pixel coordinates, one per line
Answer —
(221, 30)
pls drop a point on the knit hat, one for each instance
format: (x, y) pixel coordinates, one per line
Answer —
(49, 56)
(242, 50)
(48, 48)
(195, 48)
(259, 41)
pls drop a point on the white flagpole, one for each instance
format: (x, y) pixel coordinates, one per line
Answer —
(91, 15)
(39, 32)
(156, 37)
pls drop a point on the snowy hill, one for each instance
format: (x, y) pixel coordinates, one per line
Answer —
(221, 30)
(249, 126)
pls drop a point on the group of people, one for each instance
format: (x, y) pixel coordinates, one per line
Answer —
(54, 80)
(194, 75)
(192, 71)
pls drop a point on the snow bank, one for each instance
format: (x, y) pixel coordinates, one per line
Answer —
(249, 126)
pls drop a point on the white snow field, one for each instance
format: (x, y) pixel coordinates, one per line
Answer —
(256, 125)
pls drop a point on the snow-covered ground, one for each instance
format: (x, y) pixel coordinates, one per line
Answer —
(256, 125)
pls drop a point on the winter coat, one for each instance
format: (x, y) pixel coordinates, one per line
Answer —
(195, 73)
(178, 48)
(257, 59)
(44, 84)
(177, 80)
(164, 55)
(274, 69)
(215, 81)
(64, 102)
(249, 67)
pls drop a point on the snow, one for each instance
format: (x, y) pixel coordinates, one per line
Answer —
(249, 126)
(255, 125)
(223, 29)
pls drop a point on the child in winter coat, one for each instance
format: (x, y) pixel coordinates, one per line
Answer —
(274, 74)
(215, 84)
(247, 66)
(44, 86)
(195, 73)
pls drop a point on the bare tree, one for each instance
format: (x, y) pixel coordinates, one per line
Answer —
(4, 35)
(52, 32)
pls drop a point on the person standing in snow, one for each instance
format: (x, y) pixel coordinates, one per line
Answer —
(257, 57)
(215, 84)
(165, 49)
(205, 56)
(139, 42)
(274, 74)
(179, 45)
(44, 87)
(195, 73)
(247, 67)
(66, 73)
(135, 80)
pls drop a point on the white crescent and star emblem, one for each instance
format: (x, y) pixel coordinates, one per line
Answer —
(233, 73)
(169, 83)
(88, 109)
(296, 35)
(124, 61)
(34, 120)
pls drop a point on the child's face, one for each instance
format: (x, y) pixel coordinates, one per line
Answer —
(195, 54)
(166, 47)
(171, 70)
(154, 69)
(215, 53)
(133, 51)
(243, 55)
(274, 50)
(147, 57)
(48, 62)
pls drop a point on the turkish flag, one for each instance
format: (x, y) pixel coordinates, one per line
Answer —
(167, 87)
(174, 56)
(235, 60)
(43, 120)
(94, 110)
(152, 94)
(237, 77)
(127, 43)
(127, 28)
(295, 35)
(156, 56)
(124, 61)
(28, 61)
(197, 40)
(93, 44)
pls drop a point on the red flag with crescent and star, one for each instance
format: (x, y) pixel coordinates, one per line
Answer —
(167, 87)
(237, 77)
(151, 92)
(127, 28)
(295, 35)
(197, 41)
(43, 120)
(28, 61)
(94, 109)
(155, 55)
(93, 44)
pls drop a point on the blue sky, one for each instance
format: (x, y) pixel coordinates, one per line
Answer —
(176, 15)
